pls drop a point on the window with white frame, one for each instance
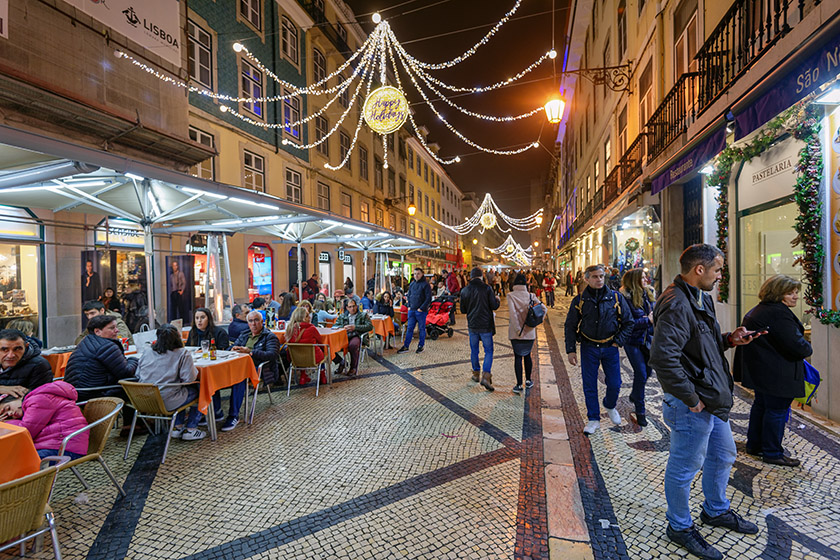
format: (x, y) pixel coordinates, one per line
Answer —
(392, 221)
(252, 87)
(323, 196)
(646, 95)
(346, 205)
(200, 54)
(597, 173)
(204, 169)
(607, 157)
(433, 209)
(411, 193)
(294, 186)
(377, 174)
(364, 212)
(251, 10)
(290, 41)
(411, 229)
(291, 114)
(319, 66)
(622, 29)
(342, 32)
(622, 132)
(380, 217)
(410, 158)
(363, 163)
(253, 171)
(685, 38)
(321, 128)
(402, 224)
(344, 148)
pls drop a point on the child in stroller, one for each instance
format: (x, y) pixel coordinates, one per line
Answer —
(437, 320)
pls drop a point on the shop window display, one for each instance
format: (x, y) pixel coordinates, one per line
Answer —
(19, 265)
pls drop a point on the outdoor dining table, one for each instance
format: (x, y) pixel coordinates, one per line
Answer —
(336, 339)
(17, 453)
(58, 360)
(383, 326)
(228, 370)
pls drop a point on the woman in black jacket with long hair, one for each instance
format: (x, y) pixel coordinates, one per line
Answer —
(773, 366)
(204, 328)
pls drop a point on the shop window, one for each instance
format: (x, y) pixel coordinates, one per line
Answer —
(321, 128)
(363, 163)
(319, 66)
(290, 41)
(291, 116)
(293, 266)
(344, 148)
(252, 87)
(254, 171)
(251, 10)
(200, 54)
(324, 196)
(693, 212)
(346, 205)
(204, 169)
(294, 187)
(19, 286)
(325, 272)
(364, 212)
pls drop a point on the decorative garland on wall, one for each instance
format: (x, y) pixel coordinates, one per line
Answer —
(803, 122)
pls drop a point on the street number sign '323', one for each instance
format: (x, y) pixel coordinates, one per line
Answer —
(386, 109)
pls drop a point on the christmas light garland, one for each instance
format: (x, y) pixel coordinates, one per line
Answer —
(487, 217)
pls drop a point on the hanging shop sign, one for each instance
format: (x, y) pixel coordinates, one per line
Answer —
(197, 244)
(152, 24)
(323, 257)
(385, 110)
(699, 155)
(119, 234)
(770, 175)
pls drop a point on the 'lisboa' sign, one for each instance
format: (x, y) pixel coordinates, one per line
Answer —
(385, 110)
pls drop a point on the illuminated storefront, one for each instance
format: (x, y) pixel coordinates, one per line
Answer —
(20, 271)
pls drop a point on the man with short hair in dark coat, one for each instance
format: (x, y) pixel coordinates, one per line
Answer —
(478, 301)
(22, 368)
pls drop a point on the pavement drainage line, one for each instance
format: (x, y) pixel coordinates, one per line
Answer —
(606, 543)
(308, 525)
(493, 431)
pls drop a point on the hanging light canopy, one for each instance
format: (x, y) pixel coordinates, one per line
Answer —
(489, 216)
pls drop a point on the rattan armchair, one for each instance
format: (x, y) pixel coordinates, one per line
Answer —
(303, 358)
(101, 414)
(25, 506)
(148, 403)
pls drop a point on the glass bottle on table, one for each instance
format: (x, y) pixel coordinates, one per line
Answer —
(212, 348)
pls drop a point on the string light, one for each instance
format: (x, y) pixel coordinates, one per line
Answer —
(487, 217)
(513, 251)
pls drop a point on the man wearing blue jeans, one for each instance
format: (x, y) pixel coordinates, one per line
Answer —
(478, 301)
(419, 299)
(600, 319)
(688, 347)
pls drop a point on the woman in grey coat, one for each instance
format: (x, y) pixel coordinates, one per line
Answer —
(521, 335)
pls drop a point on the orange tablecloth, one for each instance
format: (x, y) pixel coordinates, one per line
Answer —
(58, 362)
(336, 340)
(17, 453)
(383, 327)
(223, 373)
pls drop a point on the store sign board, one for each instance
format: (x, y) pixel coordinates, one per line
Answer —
(119, 237)
(153, 24)
(699, 155)
(323, 257)
(770, 175)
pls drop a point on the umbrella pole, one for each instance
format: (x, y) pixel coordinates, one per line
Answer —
(299, 272)
(148, 246)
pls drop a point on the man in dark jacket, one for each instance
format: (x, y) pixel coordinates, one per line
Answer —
(263, 346)
(22, 368)
(687, 354)
(99, 361)
(239, 324)
(478, 303)
(419, 299)
(600, 319)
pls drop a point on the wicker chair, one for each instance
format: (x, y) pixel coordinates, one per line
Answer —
(100, 413)
(25, 505)
(146, 400)
(303, 358)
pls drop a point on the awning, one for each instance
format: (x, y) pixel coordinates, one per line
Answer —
(698, 155)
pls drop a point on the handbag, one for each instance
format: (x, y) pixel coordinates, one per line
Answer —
(812, 383)
(535, 316)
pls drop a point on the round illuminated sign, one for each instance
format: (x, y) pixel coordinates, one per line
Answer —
(488, 221)
(386, 109)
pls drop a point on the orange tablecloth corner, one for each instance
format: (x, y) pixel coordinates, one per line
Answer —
(222, 374)
(383, 327)
(337, 340)
(58, 362)
(17, 453)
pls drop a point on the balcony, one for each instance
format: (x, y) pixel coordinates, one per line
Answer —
(673, 116)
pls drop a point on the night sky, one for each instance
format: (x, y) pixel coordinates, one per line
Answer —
(436, 31)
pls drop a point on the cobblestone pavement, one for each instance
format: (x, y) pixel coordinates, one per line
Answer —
(620, 474)
(410, 460)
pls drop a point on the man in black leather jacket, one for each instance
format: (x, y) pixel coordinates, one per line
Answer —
(601, 320)
(478, 301)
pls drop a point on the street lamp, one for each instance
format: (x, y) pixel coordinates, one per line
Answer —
(411, 208)
(536, 243)
(554, 110)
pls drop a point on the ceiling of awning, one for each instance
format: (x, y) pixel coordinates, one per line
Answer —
(166, 202)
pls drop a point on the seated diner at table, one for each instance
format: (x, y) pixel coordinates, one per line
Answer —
(320, 310)
(204, 328)
(93, 309)
(168, 362)
(300, 330)
(356, 322)
(50, 414)
(239, 324)
(287, 306)
(99, 361)
(263, 346)
(22, 368)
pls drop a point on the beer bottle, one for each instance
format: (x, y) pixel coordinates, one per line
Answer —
(212, 348)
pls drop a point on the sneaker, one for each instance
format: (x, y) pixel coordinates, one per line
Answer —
(591, 427)
(730, 520)
(614, 416)
(230, 424)
(193, 434)
(517, 389)
(783, 461)
(402, 350)
(176, 432)
(641, 420)
(691, 540)
(529, 384)
(419, 349)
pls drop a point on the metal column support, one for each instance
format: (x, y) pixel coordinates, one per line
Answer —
(364, 277)
(300, 272)
(149, 249)
(228, 280)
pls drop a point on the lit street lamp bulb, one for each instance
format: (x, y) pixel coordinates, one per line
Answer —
(411, 209)
(377, 18)
(536, 243)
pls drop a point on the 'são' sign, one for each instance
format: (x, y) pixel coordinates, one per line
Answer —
(385, 110)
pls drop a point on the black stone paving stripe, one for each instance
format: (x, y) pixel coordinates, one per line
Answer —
(493, 431)
(606, 543)
(115, 535)
(301, 527)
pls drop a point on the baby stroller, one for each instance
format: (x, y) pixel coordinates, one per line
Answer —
(437, 321)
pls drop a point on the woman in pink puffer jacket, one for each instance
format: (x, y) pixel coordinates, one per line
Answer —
(50, 414)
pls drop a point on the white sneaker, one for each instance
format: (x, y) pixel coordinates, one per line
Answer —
(614, 416)
(176, 432)
(193, 435)
(591, 427)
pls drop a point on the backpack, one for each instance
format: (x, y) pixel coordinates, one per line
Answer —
(535, 316)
